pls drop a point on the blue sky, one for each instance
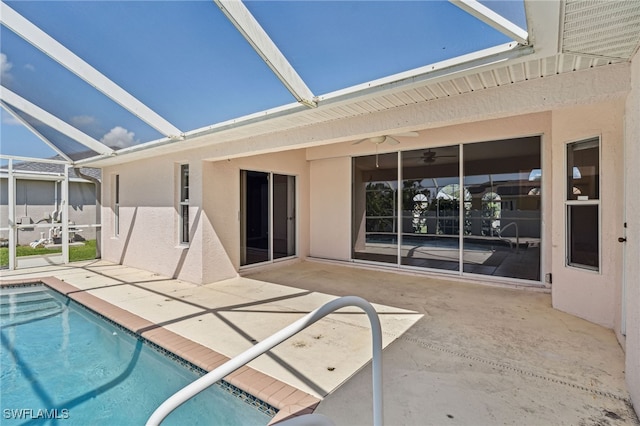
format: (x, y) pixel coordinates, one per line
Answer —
(189, 64)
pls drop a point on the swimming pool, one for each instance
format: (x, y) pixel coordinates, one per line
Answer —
(62, 364)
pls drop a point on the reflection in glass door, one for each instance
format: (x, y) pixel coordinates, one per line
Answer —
(375, 221)
(503, 215)
(267, 206)
(492, 205)
(430, 208)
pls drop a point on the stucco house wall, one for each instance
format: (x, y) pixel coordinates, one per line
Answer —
(222, 198)
(149, 217)
(632, 245)
(595, 296)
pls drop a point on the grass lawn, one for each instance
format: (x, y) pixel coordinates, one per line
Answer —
(76, 253)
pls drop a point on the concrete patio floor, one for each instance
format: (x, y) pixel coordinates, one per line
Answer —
(455, 353)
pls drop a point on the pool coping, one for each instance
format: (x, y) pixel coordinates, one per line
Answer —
(288, 400)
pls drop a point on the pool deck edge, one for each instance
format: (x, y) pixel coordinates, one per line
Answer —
(288, 400)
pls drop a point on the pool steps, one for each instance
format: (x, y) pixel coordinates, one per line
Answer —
(29, 306)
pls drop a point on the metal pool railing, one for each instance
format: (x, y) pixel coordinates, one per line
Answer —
(250, 354)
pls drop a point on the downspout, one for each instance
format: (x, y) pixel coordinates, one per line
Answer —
(98, 184)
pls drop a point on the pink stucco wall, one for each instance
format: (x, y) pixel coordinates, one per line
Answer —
(632, 246)
(595, 296)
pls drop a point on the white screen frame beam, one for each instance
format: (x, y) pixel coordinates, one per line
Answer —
(52, 121)
(34, 131)
(56, 51)
(493, 19)
(258, 38)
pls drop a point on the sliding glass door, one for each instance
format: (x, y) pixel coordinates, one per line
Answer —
(502, 233)
(375, 205)
(430, 208)
(471, 208)
(267, 212)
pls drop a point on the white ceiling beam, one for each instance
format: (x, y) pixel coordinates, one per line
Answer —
(33, 130)
(257, 37)
(493, 19)
(41, 40)
(52, 121)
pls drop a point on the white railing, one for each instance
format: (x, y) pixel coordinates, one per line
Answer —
(250, 354)
(509, 241)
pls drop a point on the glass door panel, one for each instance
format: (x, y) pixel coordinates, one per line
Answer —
(430, 208)
(502, 209)
(374, 206)
(267, 206)
(284, 214)
(254, 230)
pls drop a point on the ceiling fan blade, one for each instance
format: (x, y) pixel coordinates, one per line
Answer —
(392, 141)
(406, 134)
(360, 141)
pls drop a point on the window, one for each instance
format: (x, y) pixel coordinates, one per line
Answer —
(583, 204)
(116, 206)
(184, 204)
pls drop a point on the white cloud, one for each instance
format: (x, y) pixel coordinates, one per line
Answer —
(5, 67)
(30, 67)
(119, 137)
(83, 120)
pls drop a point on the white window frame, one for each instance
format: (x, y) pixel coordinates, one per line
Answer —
(589, 202)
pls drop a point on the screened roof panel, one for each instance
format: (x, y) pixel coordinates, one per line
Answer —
(68, 146)
(187, 62)
(183, 59)
(338, 44)
(23, 139)
(47, 84)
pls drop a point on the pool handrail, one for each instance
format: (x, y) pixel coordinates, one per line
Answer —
(267, 344)
(517, 234)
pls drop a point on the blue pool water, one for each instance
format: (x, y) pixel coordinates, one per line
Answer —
(61, 364)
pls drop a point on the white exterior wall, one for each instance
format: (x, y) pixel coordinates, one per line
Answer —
(595, 296)
(632, 246)
(330, 220)
(149, 218)
(149, 215)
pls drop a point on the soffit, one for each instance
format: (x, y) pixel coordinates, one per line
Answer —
(608, 29)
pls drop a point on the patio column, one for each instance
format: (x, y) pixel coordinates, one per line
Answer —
(11, 195)
(65, 215)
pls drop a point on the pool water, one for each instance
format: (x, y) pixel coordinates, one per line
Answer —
(61, 364)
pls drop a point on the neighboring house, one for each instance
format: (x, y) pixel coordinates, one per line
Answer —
(38, 201)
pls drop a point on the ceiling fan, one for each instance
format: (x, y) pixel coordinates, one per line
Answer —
(429, 156)
(390, 139)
